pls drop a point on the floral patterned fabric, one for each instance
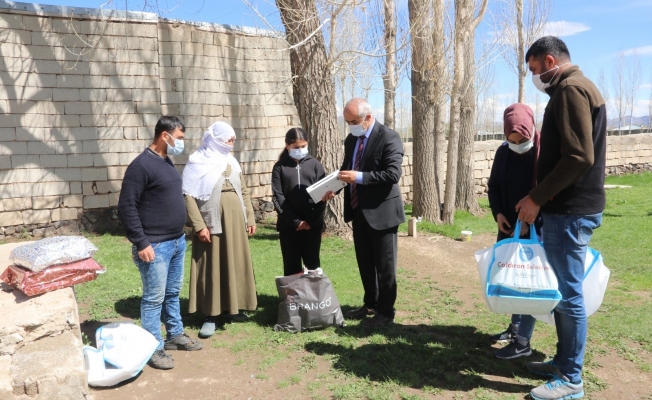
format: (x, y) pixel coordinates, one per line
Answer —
(52, 278)
(53, 250)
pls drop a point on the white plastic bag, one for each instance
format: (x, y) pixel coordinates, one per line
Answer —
(123, 345)
(517, 277)
(594, 285)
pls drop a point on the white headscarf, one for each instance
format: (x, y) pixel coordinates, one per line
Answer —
(205, 166)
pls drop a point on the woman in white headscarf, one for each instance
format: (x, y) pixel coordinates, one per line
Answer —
(220, 210)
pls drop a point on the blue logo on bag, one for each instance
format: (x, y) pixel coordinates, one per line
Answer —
(526, 254)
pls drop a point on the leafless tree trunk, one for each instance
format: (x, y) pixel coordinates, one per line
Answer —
(389, 79)
(465, 23)
(440, 86)
(494, 109)
(522, 25)
(633, 82)
(520, 51)
(483, 81)
(601, 83)
(618, 80)
(343, 99)
(465, 198)
(314, 93)
(426, 198)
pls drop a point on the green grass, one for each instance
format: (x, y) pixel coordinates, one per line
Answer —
(439, 344)
(464, 221)
(624, 322)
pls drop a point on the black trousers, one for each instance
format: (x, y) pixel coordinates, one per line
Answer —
(375, 252)
(297, 246)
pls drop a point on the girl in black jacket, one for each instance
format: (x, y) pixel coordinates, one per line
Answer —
(513, 175)
(300, 220)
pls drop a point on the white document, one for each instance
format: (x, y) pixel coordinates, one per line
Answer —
(329, 183)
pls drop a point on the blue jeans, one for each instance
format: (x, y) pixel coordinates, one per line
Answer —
(162, 280)
(525, 325)
(566, 239)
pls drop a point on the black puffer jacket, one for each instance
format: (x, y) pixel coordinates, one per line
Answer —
(293, 204)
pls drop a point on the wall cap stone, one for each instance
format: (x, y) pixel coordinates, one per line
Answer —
(114, 14)
(77, 12)
(223, 28)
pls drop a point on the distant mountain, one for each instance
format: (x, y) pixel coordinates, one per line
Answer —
(640, 121)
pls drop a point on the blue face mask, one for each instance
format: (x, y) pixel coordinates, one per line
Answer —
(177, 148)
(299, 153)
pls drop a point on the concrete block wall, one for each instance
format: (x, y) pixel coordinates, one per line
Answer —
(625, 154)
(80, 98)
(75, 94)
(209, 74)
(483, 159)
(632, 150)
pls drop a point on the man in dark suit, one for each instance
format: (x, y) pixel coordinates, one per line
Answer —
(373, 155)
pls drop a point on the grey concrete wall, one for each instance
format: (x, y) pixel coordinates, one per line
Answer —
(80, 97)
(625, 154)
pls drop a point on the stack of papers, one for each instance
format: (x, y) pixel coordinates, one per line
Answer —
(329, 183)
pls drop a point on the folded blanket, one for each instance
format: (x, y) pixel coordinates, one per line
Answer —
(52, 278)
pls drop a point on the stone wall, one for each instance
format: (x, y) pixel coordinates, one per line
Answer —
(80, 97)
(625, 154)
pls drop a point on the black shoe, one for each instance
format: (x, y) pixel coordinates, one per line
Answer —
(506, 336)
(182, 342)
(161, 360)
(514, 350)
(239, 317)
(360, 313)
(379, 320)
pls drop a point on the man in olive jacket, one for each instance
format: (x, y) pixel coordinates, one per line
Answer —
(570, 194)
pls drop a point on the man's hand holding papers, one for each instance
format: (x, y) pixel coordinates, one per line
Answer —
(319, 191)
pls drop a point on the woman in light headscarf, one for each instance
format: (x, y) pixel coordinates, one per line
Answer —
(220, 210)
(513, 175)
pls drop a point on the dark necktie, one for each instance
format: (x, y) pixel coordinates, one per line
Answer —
(356, 166)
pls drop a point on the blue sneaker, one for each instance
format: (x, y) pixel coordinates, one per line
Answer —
(208, 328)
(558, 388)
(547, 369)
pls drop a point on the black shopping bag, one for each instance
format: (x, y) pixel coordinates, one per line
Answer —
(308, 302)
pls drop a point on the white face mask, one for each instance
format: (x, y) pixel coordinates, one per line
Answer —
(357, 130)
(539, 84)
(177, 148)
(299, 153)
(522, 147)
